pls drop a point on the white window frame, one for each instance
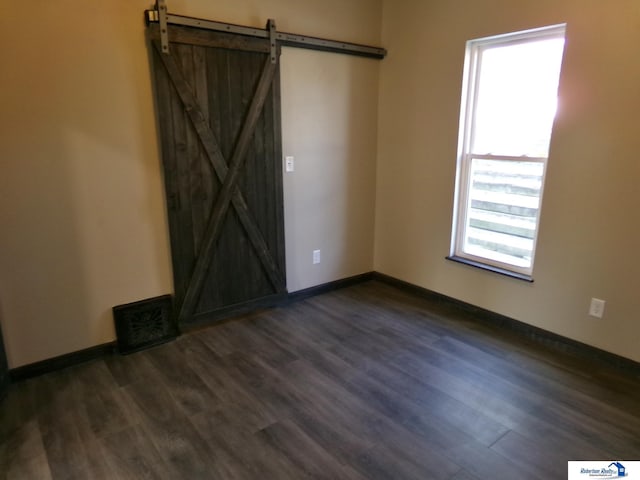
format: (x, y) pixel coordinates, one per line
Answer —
(471, 78)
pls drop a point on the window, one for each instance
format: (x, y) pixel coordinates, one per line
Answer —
(509, 102)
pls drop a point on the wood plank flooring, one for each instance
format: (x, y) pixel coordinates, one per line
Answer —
(367, 382)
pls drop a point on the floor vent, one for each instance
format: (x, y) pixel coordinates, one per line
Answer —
(142, 324)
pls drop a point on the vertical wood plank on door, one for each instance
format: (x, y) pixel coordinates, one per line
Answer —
(274, 218)
(186, 250)
(205, 170)
(164, 101)
(195, 155)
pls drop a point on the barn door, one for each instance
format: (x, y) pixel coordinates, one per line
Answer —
(218, 104)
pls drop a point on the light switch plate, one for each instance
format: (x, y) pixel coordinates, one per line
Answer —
(289, 164)
(596, 309)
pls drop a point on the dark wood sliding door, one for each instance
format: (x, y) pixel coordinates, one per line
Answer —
(218, 105)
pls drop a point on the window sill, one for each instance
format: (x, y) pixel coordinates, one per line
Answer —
(501, 271)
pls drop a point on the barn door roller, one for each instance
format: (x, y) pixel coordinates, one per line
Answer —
(161, 15)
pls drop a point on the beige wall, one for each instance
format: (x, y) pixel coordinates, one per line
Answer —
(82, 216)
(329, 122)
(82, 219)
(589, 230)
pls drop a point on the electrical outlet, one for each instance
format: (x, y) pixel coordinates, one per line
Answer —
(316, 257)
(596, 309)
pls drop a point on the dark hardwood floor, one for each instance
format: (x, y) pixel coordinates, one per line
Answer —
(367, 382)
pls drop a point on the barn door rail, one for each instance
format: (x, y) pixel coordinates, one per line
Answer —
(161, 15)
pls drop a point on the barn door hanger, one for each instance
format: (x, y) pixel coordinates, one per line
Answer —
(161, 16)
(161, 7)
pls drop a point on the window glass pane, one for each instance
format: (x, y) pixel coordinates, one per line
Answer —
(502, 210)
(517, 98)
